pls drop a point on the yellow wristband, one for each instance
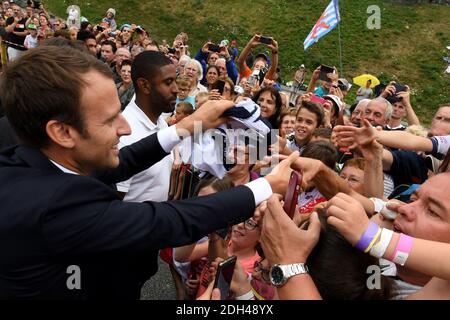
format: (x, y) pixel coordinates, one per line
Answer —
(375, 239)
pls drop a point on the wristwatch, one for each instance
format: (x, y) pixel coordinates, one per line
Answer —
(280, 273)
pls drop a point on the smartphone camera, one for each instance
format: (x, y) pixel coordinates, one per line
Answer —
(224, 276)
(265, 40)
(213, 47)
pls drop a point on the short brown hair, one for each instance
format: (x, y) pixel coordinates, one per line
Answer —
(186, 107)
(321, 150)
(315, 108)
(287, 112)
(355, 163)
(46, 84)
(183, 81)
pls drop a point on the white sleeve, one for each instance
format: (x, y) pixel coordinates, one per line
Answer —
(261, 190)
(168, 138)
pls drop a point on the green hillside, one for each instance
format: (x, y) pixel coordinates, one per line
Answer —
(407, 48)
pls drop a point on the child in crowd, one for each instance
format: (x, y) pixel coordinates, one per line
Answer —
(182, 110)
(31, 40)
(184, 86)
(109, 18)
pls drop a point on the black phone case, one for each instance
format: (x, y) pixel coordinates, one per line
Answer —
(324, 71)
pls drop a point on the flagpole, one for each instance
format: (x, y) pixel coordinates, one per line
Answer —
(341, 70)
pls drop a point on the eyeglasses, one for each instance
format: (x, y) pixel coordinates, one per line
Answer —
(265, 274)
(250, 225)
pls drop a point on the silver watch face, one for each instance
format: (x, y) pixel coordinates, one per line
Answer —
(277, 275)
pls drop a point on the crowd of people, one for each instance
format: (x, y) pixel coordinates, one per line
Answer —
(98, 119)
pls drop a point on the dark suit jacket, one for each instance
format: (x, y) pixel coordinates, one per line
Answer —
(50, 220)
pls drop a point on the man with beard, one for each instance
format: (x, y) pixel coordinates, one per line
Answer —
(154, 78)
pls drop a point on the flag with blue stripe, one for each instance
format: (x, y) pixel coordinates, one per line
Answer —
(327, 22)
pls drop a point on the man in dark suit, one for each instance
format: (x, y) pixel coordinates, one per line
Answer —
(65, 234)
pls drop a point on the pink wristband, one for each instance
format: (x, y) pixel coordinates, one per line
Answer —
(402, 250)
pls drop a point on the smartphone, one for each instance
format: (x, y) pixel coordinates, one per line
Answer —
(100, 28)
(291, 197)
(172, 50)
(318, 99)
(220, 86)
(224, 275)
(213, 47)
(399, 88)
(265, 40)
(139, 30)
(324, 71)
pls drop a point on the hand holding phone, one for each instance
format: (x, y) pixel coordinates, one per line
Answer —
(265, 40)
(324, 71)
(220, 86)
(224, 275)
(291, 197)
(213, 47)
(318, 99)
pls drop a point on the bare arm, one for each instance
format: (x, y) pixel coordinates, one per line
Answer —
(274, 65)
(314, 77)
(191, 252)
(246, 51)
(373, 170)
(404, 140)
(328, 182)
(284, 243)
(411, 116)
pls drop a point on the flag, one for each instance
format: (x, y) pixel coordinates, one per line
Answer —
(327, 22)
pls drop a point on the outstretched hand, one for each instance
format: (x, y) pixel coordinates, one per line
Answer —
(353, 137)
(348, 216)
(282, 241)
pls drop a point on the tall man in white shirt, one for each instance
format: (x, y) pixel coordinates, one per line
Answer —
(153, 77)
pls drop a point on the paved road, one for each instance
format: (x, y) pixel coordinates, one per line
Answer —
(160, 286)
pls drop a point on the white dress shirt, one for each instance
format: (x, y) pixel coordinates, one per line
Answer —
(151, 184)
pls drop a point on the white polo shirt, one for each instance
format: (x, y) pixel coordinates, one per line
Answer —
(153, 183)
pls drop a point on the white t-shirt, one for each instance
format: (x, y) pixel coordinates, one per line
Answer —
(153, 183)
(367, 92)
(30, 42)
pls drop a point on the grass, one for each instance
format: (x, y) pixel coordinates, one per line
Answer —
(407, 48)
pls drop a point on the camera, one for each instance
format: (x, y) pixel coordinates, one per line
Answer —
(257, 76)
(139, 30)
(213, 47)
(172, 50)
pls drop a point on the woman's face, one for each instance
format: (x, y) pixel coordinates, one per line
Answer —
(191, 70)
(287, 125)
(126, 34)
(43, 21)
(354, 177)
(212, 76)
(268, 104)
(245, 234)
(226, 91)
(125, 73)
(73, 34)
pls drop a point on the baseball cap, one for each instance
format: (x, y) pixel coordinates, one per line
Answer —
(262, 55)
(336, 101)
(31, 26)
(225, 42)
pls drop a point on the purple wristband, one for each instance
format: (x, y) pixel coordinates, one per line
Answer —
(367, 237)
